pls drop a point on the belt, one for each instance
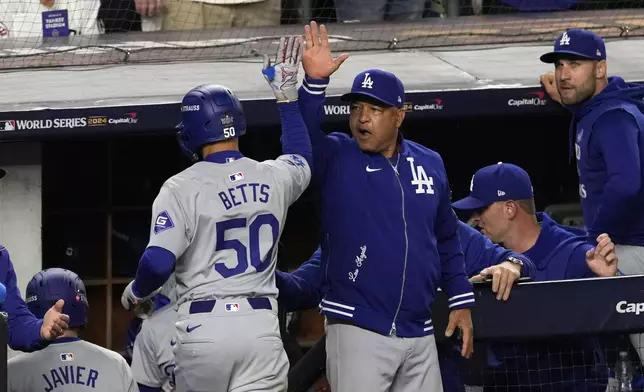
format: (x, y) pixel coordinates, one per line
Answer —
(208, 305)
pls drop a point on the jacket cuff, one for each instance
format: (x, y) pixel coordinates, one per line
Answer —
(462, 301)
(315, 86)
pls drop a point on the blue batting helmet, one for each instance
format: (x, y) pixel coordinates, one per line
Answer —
(209, 113)
(53, 284)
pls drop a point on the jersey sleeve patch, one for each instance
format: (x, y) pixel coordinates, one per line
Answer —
(295, 160)
(163, 222)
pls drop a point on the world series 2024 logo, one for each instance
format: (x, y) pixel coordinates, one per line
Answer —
(67, 123)
(127, 118)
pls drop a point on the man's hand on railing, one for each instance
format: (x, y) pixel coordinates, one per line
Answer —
(503, 277)
(148, 7)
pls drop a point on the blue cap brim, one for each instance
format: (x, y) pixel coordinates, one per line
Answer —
(352, 97)
(551, 57)
(469, 203)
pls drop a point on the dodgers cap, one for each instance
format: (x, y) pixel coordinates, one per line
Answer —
(577, 42)
(500, 182)
(377, 84)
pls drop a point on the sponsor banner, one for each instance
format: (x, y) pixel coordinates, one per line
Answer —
(163, 118)
(580, 306)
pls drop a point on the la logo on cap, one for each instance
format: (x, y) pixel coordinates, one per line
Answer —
(367, 82)
(565, 39)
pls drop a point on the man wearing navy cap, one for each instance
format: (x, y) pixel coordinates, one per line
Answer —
(608, 133)
(389, 236)
(26, 332)
(501, 197)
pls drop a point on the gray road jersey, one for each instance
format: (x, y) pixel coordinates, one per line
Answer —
(153, 359)
(223, 223)
(72, 366)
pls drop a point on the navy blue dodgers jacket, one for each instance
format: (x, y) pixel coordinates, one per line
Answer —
(302, 288)
(390, 237)
(24, 327)
(571, 364)
(608, 131)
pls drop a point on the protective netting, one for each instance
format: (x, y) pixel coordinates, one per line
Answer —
(86, 32)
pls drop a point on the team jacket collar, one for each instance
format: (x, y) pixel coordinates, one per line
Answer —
(224, 156)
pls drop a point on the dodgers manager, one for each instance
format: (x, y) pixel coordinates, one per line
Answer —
(389, 235)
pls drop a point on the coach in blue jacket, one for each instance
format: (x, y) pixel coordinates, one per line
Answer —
(389, 235)
(26, 332)
(501, 197)
(303, 288)
(608, 133)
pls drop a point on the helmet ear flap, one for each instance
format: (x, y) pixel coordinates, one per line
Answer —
(193, 156)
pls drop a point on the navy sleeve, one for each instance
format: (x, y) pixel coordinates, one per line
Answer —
(155, 267)
(301, 289)
(311, 97)
(453, 279)
(24, 327)
(577, 267)
(295, 137)
(616, 135)
(145, 388)
(481, 253)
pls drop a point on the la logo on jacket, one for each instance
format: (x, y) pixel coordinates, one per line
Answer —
(423, 183)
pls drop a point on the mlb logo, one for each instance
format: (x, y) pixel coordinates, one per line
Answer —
(8, 125)
(66, 357)
(232, 307)
(236, 177)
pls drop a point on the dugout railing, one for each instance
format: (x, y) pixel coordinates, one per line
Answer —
(606, 308)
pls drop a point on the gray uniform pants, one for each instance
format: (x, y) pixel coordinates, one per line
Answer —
(230, 349)
(359, 360)
(631, 262)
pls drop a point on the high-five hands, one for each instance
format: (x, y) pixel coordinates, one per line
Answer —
(281, 74)
(318, 62)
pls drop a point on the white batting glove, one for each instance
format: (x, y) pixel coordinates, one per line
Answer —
(142, 307)
(282, 75)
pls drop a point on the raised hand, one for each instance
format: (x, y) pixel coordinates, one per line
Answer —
(549, 83)
(282, 74)
(602, 259)
(318, 62)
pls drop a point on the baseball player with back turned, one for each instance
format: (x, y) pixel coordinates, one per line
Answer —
(68, 364)
(390, 236)
(152, 356)
(219, 223)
